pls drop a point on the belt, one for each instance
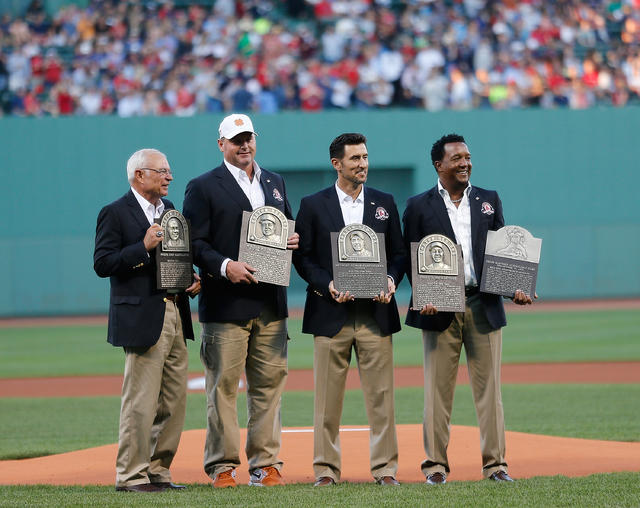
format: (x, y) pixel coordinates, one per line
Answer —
(172, 297)
(471, 290)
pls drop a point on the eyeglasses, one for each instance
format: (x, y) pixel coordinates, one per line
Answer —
(162, 171)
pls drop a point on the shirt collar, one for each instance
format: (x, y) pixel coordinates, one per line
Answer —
(241, 173)
(343, 196)
(445, 193)
(145, 205)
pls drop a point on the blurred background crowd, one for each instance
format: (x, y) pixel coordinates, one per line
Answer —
(129, 58)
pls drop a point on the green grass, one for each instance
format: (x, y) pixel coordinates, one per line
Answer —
(603, 490)
(558, 410)
(529, 337)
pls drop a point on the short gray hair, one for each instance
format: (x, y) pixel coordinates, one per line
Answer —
(138, 160)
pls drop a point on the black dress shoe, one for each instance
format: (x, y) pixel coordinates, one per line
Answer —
(142, 487)
(324, 481)
(501, 476)
(437, 478)
(169, 485)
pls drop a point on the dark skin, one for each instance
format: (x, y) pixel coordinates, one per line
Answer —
(454, 171)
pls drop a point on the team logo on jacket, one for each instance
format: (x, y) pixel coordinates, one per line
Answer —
(381, 213)
(486, 208)
(276, 195)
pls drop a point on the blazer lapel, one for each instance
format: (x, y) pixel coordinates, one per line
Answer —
(474, 206)
(136, 211)
(229, 184)
(436, 203)
(369, 209)
(332, 205)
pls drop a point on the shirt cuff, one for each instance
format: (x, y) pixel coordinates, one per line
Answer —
(223, 267)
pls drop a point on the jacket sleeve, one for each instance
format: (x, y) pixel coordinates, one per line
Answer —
(395, 246)
(110, 256)
(197, 210)
(304, 257)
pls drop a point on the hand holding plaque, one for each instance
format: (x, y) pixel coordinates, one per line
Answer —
(359, 261)
(437, 274)
(174, 262)
(263, 244)
(511, 260)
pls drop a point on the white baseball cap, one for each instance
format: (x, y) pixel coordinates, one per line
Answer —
(234, 124)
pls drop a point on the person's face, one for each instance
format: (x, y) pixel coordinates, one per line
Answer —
(437, 254)
(353, 167)
(268, 227)
(454, 169)
(357, 243)
(174, 230)
(150, 184)
(239, 150)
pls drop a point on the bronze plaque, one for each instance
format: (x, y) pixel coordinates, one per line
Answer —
(511, 260)
(263, 244)
(359, 261)
(437, 274)
(174, 261)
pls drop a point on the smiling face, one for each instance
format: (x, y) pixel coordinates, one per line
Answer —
(151, 185)
(174, 229)
(437, 254)
(240, 150)
(454, 170)
(353, 167)
(268, 227)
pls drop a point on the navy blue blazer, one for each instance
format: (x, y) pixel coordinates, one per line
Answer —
(320, 215)
(426, 214)
(136, 306)
(214, 203)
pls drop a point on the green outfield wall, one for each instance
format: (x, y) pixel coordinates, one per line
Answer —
(566, 176)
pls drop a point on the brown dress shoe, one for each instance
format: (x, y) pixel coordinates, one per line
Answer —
(142, 487)
(501, 476)
(387, 480)
(169, 485)
(324, 481)
(436, 479)
(225, 479)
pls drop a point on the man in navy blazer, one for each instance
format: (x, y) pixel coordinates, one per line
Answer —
(243, 321)
(341, 324)
(464, 214)
(149, 323)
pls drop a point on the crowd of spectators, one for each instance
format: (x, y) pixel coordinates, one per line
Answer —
(181, 58)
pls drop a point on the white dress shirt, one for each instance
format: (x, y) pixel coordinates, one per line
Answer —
(352, 209)
(150, 210)
(251, 188)
(460, 217)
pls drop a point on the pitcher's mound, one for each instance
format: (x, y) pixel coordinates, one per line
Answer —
(528, 455)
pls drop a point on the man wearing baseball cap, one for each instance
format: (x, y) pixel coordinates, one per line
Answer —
(243, 321)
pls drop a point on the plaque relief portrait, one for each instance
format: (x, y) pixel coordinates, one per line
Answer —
(268, 226)
(358, 243)
(513, 242)
(437, 255)
(175, 233)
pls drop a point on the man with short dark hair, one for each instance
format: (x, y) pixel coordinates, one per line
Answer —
(244, 324)
(339, 323)
(150, 324)
(463, 213)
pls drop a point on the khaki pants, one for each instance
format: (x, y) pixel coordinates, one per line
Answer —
(154, 398)
(331, 358)
(483, 348)
(257, 347)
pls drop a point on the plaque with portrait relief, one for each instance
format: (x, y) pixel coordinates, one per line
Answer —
(174, 259)
(437, 274)
(359, 261)
(511, 260)
(263, 244)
